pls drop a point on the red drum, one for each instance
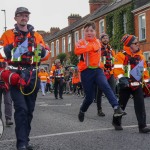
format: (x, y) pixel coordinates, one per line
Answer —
(146, 89)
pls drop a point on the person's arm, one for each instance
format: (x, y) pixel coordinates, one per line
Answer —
(45, 53)
(82, 47)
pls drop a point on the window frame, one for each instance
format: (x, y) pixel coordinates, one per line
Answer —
(63, 45)
(140, 27)
(57, 47)
(52, 49)
(100, 27)
(69, 43)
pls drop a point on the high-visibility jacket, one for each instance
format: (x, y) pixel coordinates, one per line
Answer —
(120, 64)
(75, 78)
(107, 58)
(90, 53)
(43, 76)
(12, 38)
(57, 72)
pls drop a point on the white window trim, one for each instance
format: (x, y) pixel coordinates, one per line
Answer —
(57, 47)
(63, 45)
(147, 52)
(140, 38)
(82, 33)
(69, 44)
(76, 33)
(100, 32)
(52, 49)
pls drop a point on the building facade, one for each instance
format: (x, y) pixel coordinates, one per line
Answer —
(116, 18)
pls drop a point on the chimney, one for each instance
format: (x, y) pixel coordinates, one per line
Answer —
(95, 4)
(54, 30)
(73, 18)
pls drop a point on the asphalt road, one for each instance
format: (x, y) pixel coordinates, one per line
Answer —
(55, 126)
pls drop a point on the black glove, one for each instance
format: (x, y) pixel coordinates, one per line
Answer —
(123, 82)
(7, 50)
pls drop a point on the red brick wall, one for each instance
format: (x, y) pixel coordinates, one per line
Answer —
(144, 45)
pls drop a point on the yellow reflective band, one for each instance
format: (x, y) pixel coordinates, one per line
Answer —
(118, 66)
(92, 67)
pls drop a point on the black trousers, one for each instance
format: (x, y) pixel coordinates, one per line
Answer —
(58, 86)
(24, 107)
(139, 105)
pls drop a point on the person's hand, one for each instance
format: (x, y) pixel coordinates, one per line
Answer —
(123, 82)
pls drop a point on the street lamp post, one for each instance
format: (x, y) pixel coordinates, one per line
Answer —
(5, 18)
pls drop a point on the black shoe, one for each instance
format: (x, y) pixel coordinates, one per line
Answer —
(81, 116)
(100, 113)
(22, 148)
(9, 122)
(29, 147)
(56, 97)
(119, 112)
(61, 97)
(144, 130)
(117, 127)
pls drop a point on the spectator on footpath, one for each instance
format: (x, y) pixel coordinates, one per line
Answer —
(91, 72)
(76, 81)
(43, 75)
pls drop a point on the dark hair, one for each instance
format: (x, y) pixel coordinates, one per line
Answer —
(90, 24)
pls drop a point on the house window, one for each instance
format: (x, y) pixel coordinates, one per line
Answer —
(52, 49)
(147, 55)
(101, 26)
(76, 36)
(63, 45)
(142, 27)
(69, 43)
(125, 23)
(57, 47)
(82, 33)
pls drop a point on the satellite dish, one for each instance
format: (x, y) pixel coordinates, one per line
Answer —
(1, 128)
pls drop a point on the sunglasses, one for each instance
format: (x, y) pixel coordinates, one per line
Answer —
(135, 43)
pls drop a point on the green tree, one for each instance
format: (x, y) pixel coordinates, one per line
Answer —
(74, 59)
(62, 57)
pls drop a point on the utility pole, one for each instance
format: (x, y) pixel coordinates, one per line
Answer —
(5, 18)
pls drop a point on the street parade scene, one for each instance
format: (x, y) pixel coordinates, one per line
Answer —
(84, 86)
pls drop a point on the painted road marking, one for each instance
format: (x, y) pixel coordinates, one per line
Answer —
(44, 105)
(69, 133)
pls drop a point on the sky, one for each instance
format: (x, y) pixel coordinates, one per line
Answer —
(44, 13)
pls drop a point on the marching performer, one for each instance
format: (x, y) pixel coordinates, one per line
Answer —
(24, 49)
(131, 70)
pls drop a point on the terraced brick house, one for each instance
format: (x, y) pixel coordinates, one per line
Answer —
(115, 17)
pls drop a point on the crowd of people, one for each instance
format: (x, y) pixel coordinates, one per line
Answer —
(100, 70)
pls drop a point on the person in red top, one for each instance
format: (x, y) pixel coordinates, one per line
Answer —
(91, 73)
(130, 69)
